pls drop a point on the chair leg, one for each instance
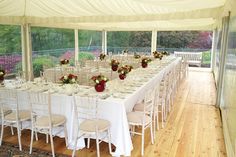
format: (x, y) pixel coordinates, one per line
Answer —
(152, 138)
(19, 135)
(32, 139)
(52, 144)
(46, 138)
(154, 124)
(109, 140)
(88, 144)
(162, 116)
(2, 130)
(66, 135)
(12, 131)
(97, 143)
(142, 145)
(36, 136)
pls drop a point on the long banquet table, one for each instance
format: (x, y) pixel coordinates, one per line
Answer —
(112, 108)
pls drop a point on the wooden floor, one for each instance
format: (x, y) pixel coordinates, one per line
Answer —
(193, 128)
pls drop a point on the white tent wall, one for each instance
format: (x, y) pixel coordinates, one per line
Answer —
(225, 74)
(113, 14)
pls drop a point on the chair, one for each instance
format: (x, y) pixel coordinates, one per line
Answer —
(91, 125)
(143, 118)
(42, 119)
(11, 114)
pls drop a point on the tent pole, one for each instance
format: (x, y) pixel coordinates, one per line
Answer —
(154, 41)
(213, 48)
(27, 66)
(224, 42)
(76, 46)
(104, 42)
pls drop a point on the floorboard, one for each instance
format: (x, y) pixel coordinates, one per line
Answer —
(193, 127)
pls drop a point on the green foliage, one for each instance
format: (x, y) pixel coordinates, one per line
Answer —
(129, 39)
(50, 38)
(82, 56)
(176, 39)
(38, 64)
(86, 55)
(206, 57)
(90, 38)
(10, 39)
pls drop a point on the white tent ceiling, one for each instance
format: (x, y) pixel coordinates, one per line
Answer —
(114, 14)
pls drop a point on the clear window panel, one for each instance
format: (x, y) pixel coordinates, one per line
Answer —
(10, 50)
(49, 46)
(90, 44)
(186, 41)
(133, 42)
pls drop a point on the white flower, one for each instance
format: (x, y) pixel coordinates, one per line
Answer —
(65, 77)
(122, 72)
(105, 79)
(1, 73)
(96, 81)
(73, 80)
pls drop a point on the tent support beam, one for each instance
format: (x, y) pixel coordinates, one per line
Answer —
(213, 48)
(104, 42)
(27, 66)
(76, 46)
(154, 41)
(222, 60)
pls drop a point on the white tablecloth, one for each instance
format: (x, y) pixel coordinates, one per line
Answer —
(111, 109)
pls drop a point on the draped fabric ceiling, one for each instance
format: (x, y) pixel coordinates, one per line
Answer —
(114, 15)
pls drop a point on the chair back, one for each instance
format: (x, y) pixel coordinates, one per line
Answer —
(40, 105)
(9, 100)
(149, 101)
(86, 107)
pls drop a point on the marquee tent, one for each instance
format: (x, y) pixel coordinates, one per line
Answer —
(114, 15)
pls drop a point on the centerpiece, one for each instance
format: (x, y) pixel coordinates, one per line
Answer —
(2, 74)
(100, 82)
(157, 55)
(165, 53)
(64, 61)
(145, 62)
(102, 56)
(136, 56)
(124, 70)
(69, 79)
(114, 64)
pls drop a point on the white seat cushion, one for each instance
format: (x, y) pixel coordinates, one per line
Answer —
(136, 118)
(139, 106)
(6, 111)
(90, 125)
(43, 122)
(23, 115)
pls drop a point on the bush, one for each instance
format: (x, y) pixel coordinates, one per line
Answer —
(206, 57)
(86, 56)
(82, 56)
(38, 64)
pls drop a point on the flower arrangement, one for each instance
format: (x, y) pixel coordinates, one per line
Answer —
(64, 61)
(124, 70)
(100, 82)
(114, 64)
(69, 79)
(165, 53)
(157, 55)
(145, 62)
(2, 74)
(102, 56)
(136, 56)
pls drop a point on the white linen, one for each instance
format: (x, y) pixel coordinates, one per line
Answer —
(112, 108)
